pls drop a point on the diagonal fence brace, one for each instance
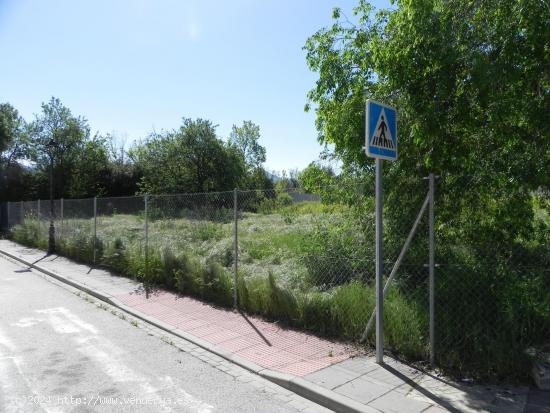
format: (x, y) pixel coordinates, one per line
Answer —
(398, 263)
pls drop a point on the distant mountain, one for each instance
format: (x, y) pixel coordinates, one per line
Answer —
(272, 177)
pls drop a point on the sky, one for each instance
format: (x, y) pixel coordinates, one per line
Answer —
(134, 66)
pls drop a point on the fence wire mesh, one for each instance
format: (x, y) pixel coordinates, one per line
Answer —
(493, 276)
(306, 258)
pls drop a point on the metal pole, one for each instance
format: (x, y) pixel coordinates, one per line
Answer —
(379, 266)
(95, 226)
(51, 229)
(22, 212)
(8, 215)
(38, 215)
(146, 201)
(235, 246)
(432, 268)
(61, 216)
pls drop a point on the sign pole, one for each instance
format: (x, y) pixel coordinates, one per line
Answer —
(379, 265)
(380, 143)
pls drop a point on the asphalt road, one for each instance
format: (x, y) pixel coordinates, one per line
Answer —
(61, 351)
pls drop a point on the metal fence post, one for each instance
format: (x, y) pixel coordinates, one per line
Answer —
(432, 268)
(95, 226)
(235, 246)
(61, 216)
(8, 215)
(21, 212)
(146, 213)
(38, 215)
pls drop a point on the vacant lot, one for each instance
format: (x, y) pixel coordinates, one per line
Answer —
(310, 265)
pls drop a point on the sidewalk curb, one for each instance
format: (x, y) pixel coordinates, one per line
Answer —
(310, 391)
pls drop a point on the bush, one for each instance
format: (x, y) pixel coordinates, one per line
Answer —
(351, 307)
(115, 256)
(271, 205)
(217, 284)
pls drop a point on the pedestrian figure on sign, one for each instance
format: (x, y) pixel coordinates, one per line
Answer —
(382, 128)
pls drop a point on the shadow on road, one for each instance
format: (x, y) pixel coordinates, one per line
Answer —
(28, 269)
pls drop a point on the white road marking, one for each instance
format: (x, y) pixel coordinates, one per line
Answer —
(17, 400)
(27, 322)
(189, 400)
(72, 322)
(8, 387)
(108, 357)
(6, 342)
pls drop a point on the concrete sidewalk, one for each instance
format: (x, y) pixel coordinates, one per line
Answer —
(337, 375)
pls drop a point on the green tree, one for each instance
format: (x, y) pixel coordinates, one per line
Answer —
(123, 176)
(471, 82)
(12, 133)
(91, 169)
(79, 160)
(316, 176)
(192, 159)
(288, 180)
(14, 182)
(245, 139)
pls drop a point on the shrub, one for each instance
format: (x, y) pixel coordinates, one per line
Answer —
(115, 256)
(186, 271)
(316, 312)
(283, 303)
(204, 231)
(351, 307)
(217, 284)
(271, 205)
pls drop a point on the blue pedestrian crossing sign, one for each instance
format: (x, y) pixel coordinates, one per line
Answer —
(381, 131)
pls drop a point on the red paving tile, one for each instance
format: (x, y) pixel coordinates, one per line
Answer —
(175, 318)
(307, 351)
(267, 356)
(169, 313)
(189, 324)
(221, 335)
(256, 340)
(130, 298)
(237, 344)
(284, 338)
(203, 330)
(168, 299)
(153, 308)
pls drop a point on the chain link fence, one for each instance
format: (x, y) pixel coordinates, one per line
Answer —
(306, 259)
